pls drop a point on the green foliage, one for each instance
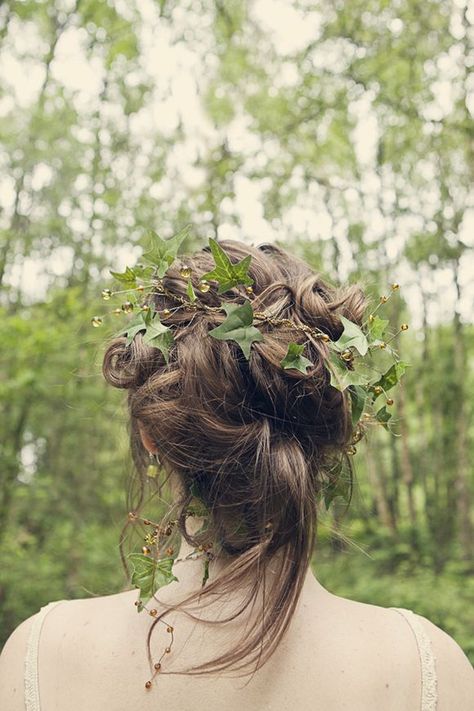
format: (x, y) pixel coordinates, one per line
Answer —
(226, 274)
(238, 327)
(149, 575)
(295, 359)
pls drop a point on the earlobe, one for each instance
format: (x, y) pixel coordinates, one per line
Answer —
(148, 443)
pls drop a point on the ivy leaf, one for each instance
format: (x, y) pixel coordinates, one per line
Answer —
(149, 575)
(190, 291)
(225, 273)
(132, 330)
(159, 336)
(377, 328)
(294, 359)
(358, 397)
(338, 485)
(392, 376)
(341, 376)
(128, 278)
(163, 252)
(205, 576)
(352, 337)
(383, 416)
(238, 327)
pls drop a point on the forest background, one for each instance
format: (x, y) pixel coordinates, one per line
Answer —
(343, 131)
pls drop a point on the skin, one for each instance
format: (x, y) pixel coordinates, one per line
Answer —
(338, 654)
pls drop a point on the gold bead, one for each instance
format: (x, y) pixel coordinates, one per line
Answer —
(106, 294)
(249, 289)
(383, 299)
(96, 321)
(145, 307)
(153, 612)
(389, 401)
(404, 327)
(148, 685)
(146, 522)
(117, 312)
(140, 287)
(185, 271)
(378, 389)
(325, 338)
(394, 286)
(382, 345)
(127, 307)
(371, 318)
(351, 450)
(157, 666)
(136, 603)
(169, 551)
(167, 650)
(146, 550)
(132, 516)
(158, 284)
(165, 312)
(357, 435)
(169, 629)
(347, 355)
(203, 286)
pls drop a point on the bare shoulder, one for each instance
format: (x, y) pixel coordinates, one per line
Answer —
(64, 625)
(454, 670)
(12, 663)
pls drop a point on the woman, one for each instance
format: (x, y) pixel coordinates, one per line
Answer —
(250, 427)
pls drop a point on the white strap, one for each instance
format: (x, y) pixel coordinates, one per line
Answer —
(429, 681)
(32, 699)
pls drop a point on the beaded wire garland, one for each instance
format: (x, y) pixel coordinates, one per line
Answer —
(361, 361)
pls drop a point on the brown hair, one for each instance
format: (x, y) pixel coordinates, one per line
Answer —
(255, 441)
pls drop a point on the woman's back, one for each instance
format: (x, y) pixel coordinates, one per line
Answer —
(338, 654)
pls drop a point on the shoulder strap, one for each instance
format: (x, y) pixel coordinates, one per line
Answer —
(32, 699)
(429, 681)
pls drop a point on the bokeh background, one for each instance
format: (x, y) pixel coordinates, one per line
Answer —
(341, 129)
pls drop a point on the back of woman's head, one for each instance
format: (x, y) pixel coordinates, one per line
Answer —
(252, 440)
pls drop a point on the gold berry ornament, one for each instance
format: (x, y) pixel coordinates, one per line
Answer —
(96, 321)
(185, 271)
(106, 294)
(203, 286)
(127, 307)
(404, 327)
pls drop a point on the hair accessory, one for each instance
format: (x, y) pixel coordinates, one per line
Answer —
(362, 361)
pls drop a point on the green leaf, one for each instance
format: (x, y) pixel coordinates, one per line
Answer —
(225, 273)
(205, 576)
(383, 416)
(294, 359)
(133, 329)
(159, 336)
(163, 252)
(190, 291)
(338, 485)
(392, 376)
(342, 376)
(352, 337)
(377, 328)
(358, 397)
(149, 574)
(238, 327)
(128, 278)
